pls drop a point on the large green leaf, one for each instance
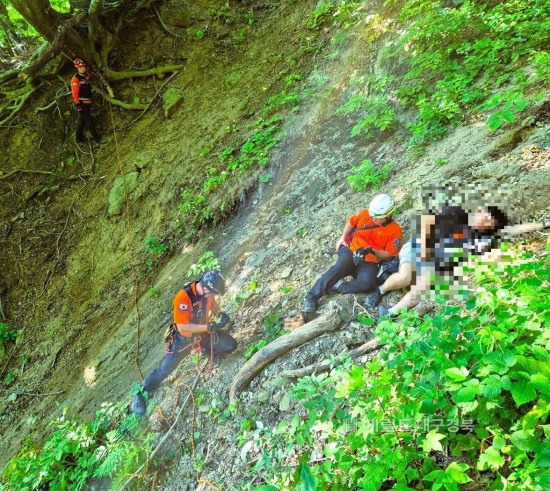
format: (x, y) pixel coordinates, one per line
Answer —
(457, 472)
(491, 458)
(303, 476)
(523, 392)
(432, 441)
(458, 374)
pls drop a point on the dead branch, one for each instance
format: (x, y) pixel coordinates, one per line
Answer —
(24, 393)
(60, 93)
(325, 365)
(2, 310)
(325, 323)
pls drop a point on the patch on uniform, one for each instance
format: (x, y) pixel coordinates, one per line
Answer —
(183, 307)
(397, 244)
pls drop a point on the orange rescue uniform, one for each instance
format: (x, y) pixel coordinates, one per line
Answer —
(187, 313)
(388, 237)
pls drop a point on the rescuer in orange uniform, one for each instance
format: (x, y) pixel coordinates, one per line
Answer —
(369, 237)
(194, 307)
(82, 96)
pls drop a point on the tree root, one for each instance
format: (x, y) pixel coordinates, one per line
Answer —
(325, 365)
(119, 103)
(30, 171)
(325, 323)
(18, 102)
(115, 76)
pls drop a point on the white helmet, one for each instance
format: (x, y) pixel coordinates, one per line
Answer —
(382, 205)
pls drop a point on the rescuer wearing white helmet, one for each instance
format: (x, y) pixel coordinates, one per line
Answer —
(369, 237)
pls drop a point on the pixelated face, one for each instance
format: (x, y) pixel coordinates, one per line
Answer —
(81, 69)
(481, 220)
(380, 221)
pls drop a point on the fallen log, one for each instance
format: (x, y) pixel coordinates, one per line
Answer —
(330, 321)
(325, 365)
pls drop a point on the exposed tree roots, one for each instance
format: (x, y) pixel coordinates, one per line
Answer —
(325, 323)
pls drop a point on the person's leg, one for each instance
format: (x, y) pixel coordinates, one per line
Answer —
(223, 342)
(80, 127)
(179, 349)
(401, 279)
(343, 267)
(90, 124)
(365, 280)
(413, 297)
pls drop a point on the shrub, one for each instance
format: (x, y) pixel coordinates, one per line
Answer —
(367, 175)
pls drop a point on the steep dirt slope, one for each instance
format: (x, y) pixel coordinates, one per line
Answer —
(285, 233)
(282, 236)
(66, 282)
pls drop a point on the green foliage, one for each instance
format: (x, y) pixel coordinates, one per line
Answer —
(157, 249)
(154, 293)
(110, 445)
(462, 53)
(471, 383)
(367, 174)
(6, 335)
(155, 246)
(273, 329)
(339, 11)
(253, 152)
(10, 379)
(205, 263)
(376, 110)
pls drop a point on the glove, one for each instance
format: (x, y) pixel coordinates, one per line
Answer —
(169, 334)
(212, 326)
(224, 319)
(360, 254)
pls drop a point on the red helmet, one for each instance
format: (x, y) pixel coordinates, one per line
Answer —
(79, 62)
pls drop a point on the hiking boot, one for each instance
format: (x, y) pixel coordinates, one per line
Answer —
(384, 311)
(373, 299)
(336, 287)
(309, 312)
(138, 405)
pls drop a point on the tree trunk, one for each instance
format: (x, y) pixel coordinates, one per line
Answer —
(50, 24)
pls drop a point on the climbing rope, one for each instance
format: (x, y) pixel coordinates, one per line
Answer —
(128, 228)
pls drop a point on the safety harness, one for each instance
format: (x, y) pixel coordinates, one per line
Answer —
(197, 317)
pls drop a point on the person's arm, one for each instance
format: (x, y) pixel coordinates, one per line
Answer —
(426, 222)
(192, 328)
(524, 228)
(347, 230)
(382, 254)
(75, 89)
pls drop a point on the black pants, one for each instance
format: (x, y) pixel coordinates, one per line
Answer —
(364, 274)
(180, 348)
(85, 121)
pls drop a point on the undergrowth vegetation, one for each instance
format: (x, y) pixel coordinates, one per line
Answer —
(461, 396)
(112, 445)
(462, 58)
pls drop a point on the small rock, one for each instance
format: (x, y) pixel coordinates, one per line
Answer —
(285, 273)
(173, 99)
(117, 195)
